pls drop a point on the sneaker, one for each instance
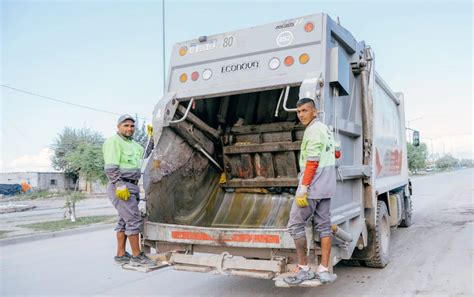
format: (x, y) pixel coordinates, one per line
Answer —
(325, 277)
(300, 276)
(142, 261)
(121, 260)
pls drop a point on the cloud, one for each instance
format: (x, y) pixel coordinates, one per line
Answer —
(37, 162)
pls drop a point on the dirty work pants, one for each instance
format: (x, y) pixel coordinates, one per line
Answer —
(130, 219)
(319, 209)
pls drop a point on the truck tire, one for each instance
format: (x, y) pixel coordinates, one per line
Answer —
(351, 263)
(407, 212)
(382, 238)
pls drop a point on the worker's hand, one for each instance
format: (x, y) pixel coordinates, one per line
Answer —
(149, 130)
(301, 196)
(122, 192)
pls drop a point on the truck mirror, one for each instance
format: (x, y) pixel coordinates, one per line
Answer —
(416, 138)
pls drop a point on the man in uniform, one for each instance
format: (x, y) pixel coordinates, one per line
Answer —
(317, 186)
(122, 156)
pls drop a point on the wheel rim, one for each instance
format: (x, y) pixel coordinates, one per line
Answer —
(385, 235)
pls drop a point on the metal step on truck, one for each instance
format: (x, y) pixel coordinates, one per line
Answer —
(222, 177)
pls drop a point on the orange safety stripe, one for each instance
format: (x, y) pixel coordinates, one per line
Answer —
(244, 237)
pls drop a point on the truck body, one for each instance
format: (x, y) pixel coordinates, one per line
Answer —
(221, 180)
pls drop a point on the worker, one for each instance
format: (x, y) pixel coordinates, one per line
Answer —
(123, 156)
(317, 185)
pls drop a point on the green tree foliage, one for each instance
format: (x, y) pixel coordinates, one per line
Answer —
(417, 156)
(67, 142)
(87, 159)
(140, 135)
(78, 152)
(466, 163)
(447, 161)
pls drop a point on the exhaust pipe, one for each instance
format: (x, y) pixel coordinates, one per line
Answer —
(341, 234)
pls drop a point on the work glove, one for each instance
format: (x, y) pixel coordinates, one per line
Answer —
(301, 196)
(122, 192)
(149, 130)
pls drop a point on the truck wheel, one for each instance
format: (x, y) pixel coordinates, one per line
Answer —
(407, 212)
(351, 263)
(382, 238)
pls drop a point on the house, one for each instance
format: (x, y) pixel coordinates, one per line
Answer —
(39, 180)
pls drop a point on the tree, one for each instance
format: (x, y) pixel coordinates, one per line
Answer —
(78, 153)
(87, 159)
(466, 163)
(417, 156)
(68, 141)
(447, 161)
(140, 135)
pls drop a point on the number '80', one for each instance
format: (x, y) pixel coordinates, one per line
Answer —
(228, 41)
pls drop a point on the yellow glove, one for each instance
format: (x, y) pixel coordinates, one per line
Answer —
(149, 130)
(301, 197)
(122, 192)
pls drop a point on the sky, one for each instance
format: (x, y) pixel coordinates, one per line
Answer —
(108, 55)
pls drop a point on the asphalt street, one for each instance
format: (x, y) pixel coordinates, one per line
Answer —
(432, 258)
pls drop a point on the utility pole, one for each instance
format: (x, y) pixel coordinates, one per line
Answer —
(163, 42)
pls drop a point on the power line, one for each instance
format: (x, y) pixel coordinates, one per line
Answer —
(64, 101)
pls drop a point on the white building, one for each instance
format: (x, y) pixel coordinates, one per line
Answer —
(39, 180)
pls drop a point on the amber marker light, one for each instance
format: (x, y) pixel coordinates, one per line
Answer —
(183, 77)
(183, 51)
(289, 61)
(304, 58)
(308, 27)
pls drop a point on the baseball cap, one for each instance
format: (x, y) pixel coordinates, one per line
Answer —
(125, 117)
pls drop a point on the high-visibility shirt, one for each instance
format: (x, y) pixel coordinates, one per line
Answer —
(318, 145)
(122, 158)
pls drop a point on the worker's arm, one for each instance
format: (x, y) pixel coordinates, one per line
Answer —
(111, 150)
(314, 149)
(310, 171)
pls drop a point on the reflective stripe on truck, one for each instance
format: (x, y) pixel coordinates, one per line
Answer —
(258, 238)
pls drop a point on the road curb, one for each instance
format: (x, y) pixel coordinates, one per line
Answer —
(34, 237)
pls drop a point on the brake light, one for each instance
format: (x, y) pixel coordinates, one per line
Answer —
(183, 77)
(304, 58)
(195, 75)
(309, 26)
(289, 61)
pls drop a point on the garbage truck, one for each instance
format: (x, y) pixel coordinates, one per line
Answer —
(221, 179)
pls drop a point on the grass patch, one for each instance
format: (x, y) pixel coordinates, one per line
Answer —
(67, 224)
(3, 233)
(42, 194)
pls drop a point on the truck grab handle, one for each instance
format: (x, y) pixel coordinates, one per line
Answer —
(185, 114)
(287, 92)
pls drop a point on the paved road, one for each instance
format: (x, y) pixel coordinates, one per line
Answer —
(431, 258)
(49, 210)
